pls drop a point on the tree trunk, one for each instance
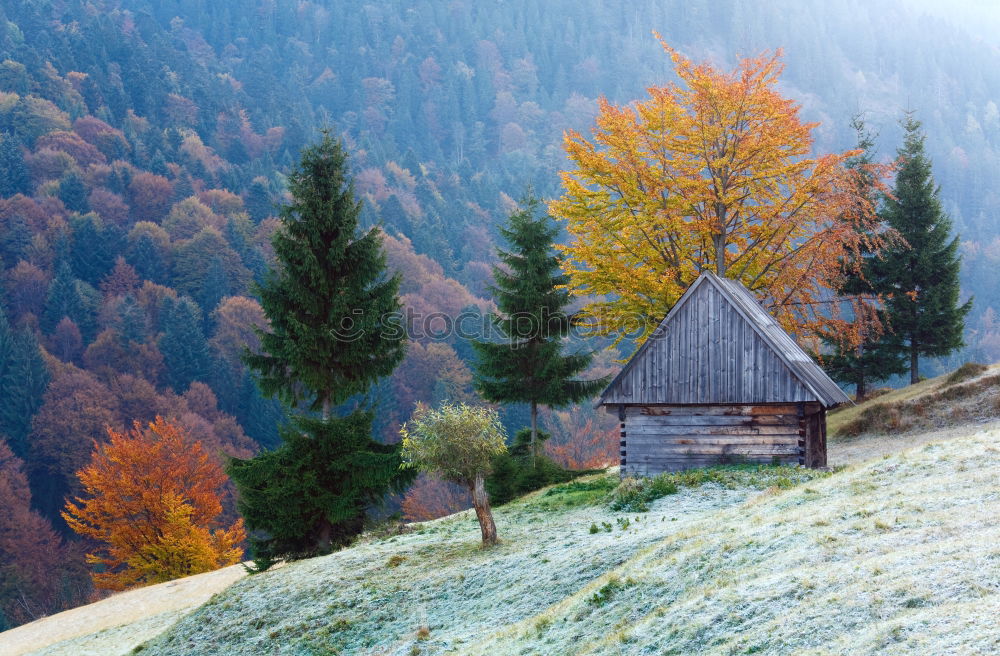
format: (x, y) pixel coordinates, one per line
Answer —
(914, 365)
(481, 502)
(534, 431)
(326, 407)
(720, 239)
(720, 255)
(324, 539)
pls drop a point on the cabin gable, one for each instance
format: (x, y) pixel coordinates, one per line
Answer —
(716, 347)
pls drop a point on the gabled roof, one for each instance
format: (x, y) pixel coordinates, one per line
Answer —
(718, 345)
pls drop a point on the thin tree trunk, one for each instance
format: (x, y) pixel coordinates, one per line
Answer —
(481, 502)
(326, 407)
(720, 241)
(534, 431)
(914, 365)
(862, 388)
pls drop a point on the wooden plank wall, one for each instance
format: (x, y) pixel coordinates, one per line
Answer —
(658, 439)
(709, 354)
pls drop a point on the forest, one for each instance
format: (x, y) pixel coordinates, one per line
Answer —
(144, 153)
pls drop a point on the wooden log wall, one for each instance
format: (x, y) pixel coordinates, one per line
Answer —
(670, 438)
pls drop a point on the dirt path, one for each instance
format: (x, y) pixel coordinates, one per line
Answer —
(150, 610)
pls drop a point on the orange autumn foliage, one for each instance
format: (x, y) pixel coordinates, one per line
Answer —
(712, 173)
(582, 438)
(152, 499)
(430, 497)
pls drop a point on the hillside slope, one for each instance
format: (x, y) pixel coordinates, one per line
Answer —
(895, 556)
(886, 555)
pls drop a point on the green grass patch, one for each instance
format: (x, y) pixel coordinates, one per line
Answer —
(608, 591)
(587, 492)
(635, 494)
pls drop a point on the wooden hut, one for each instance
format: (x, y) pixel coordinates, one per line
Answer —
(719, 381)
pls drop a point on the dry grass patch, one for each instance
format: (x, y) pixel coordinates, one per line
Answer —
(969, 394)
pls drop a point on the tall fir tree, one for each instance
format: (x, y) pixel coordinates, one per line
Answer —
(73, 193)
(183, 344)
(14, 175)
(63, 300)
(214, 287)
(326, 304)
(130, 323)
(328, 301)
(92, 255)
(147, 260)
(527, 364)
(921, 277)
(15, 240)
(23, 380)
(872, 355)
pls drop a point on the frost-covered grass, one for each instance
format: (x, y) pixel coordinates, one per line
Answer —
(896, 556)
(435, 589)
(900, 556)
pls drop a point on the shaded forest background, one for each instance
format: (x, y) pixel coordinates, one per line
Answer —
(144, 148)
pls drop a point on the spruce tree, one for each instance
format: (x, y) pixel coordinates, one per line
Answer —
(876, 356)
(528, 364)
(921, 276)
(326, 305)
(92, 255)
(311, 494)
(215, 286)
(63, 299)
(183, 345)
(23, 381)
(15, 240)
(130, 324)
(146, 259)
(73, 193)
(14, 176)
(328, 301)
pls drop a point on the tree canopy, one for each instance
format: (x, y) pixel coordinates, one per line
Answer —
(714, 172)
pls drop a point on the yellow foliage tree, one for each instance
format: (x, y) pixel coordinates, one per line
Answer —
(711, 173)
(152, 501)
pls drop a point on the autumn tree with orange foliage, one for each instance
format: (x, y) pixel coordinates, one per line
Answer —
(712, 173)
(152, 500)
(582, 438)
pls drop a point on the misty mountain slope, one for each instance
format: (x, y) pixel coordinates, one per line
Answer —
(897, 555)
(472, 99)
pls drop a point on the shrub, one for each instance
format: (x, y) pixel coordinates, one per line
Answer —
(514, 473)
(632, 495)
